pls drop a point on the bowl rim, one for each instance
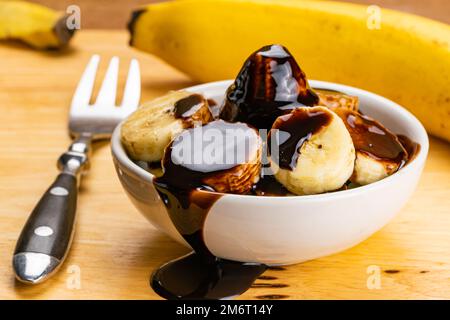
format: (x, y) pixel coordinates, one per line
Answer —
(119, 154)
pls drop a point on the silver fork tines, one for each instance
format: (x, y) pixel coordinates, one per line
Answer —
(100, 119)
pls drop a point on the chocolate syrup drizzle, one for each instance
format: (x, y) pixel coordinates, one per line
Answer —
(411, 147)
(373, 139)
(269, 186)
(187, 106)
(294, 129)
(199, 275)
(269, 84)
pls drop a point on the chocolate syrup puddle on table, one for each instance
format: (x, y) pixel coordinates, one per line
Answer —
(199, 275)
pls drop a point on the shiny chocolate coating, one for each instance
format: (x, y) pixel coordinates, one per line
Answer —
(294, 129)
(372, 138)
(269, 84)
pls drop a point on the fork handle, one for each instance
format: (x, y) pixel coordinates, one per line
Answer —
(46, 236)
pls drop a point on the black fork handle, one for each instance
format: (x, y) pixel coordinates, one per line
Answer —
(47, 235)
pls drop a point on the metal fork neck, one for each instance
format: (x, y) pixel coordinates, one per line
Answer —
(76, 159)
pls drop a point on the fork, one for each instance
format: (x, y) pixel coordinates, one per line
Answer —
(47, 235)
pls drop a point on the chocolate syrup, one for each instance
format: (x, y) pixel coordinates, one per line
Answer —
(188, 200)
(186, 107)
(214, 108)
(269, 84)
(411, 147)
(373, 139)
(269, 186)
(294, 129)
(212, 102)
(191, 277)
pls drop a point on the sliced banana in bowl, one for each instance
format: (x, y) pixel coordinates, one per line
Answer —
(315, 151)
(323, 141)
(379, 152)
(147, 132)
(335, 99)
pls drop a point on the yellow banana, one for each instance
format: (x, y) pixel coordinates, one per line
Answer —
(401, 56)
(36, 25)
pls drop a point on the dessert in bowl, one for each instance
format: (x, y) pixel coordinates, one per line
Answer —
(325, 191)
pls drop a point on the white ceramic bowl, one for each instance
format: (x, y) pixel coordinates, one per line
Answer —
(287, 230)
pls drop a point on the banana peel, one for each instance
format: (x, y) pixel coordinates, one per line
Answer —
(33, 24)
(406, 59)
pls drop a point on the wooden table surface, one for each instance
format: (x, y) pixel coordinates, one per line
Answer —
(115, 249)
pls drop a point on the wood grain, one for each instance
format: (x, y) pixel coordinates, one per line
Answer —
(116, 249)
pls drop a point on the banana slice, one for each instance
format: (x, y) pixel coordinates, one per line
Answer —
(220, 156)
(148, 131)
(379, 153)
(335, 99)
(315, 151)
